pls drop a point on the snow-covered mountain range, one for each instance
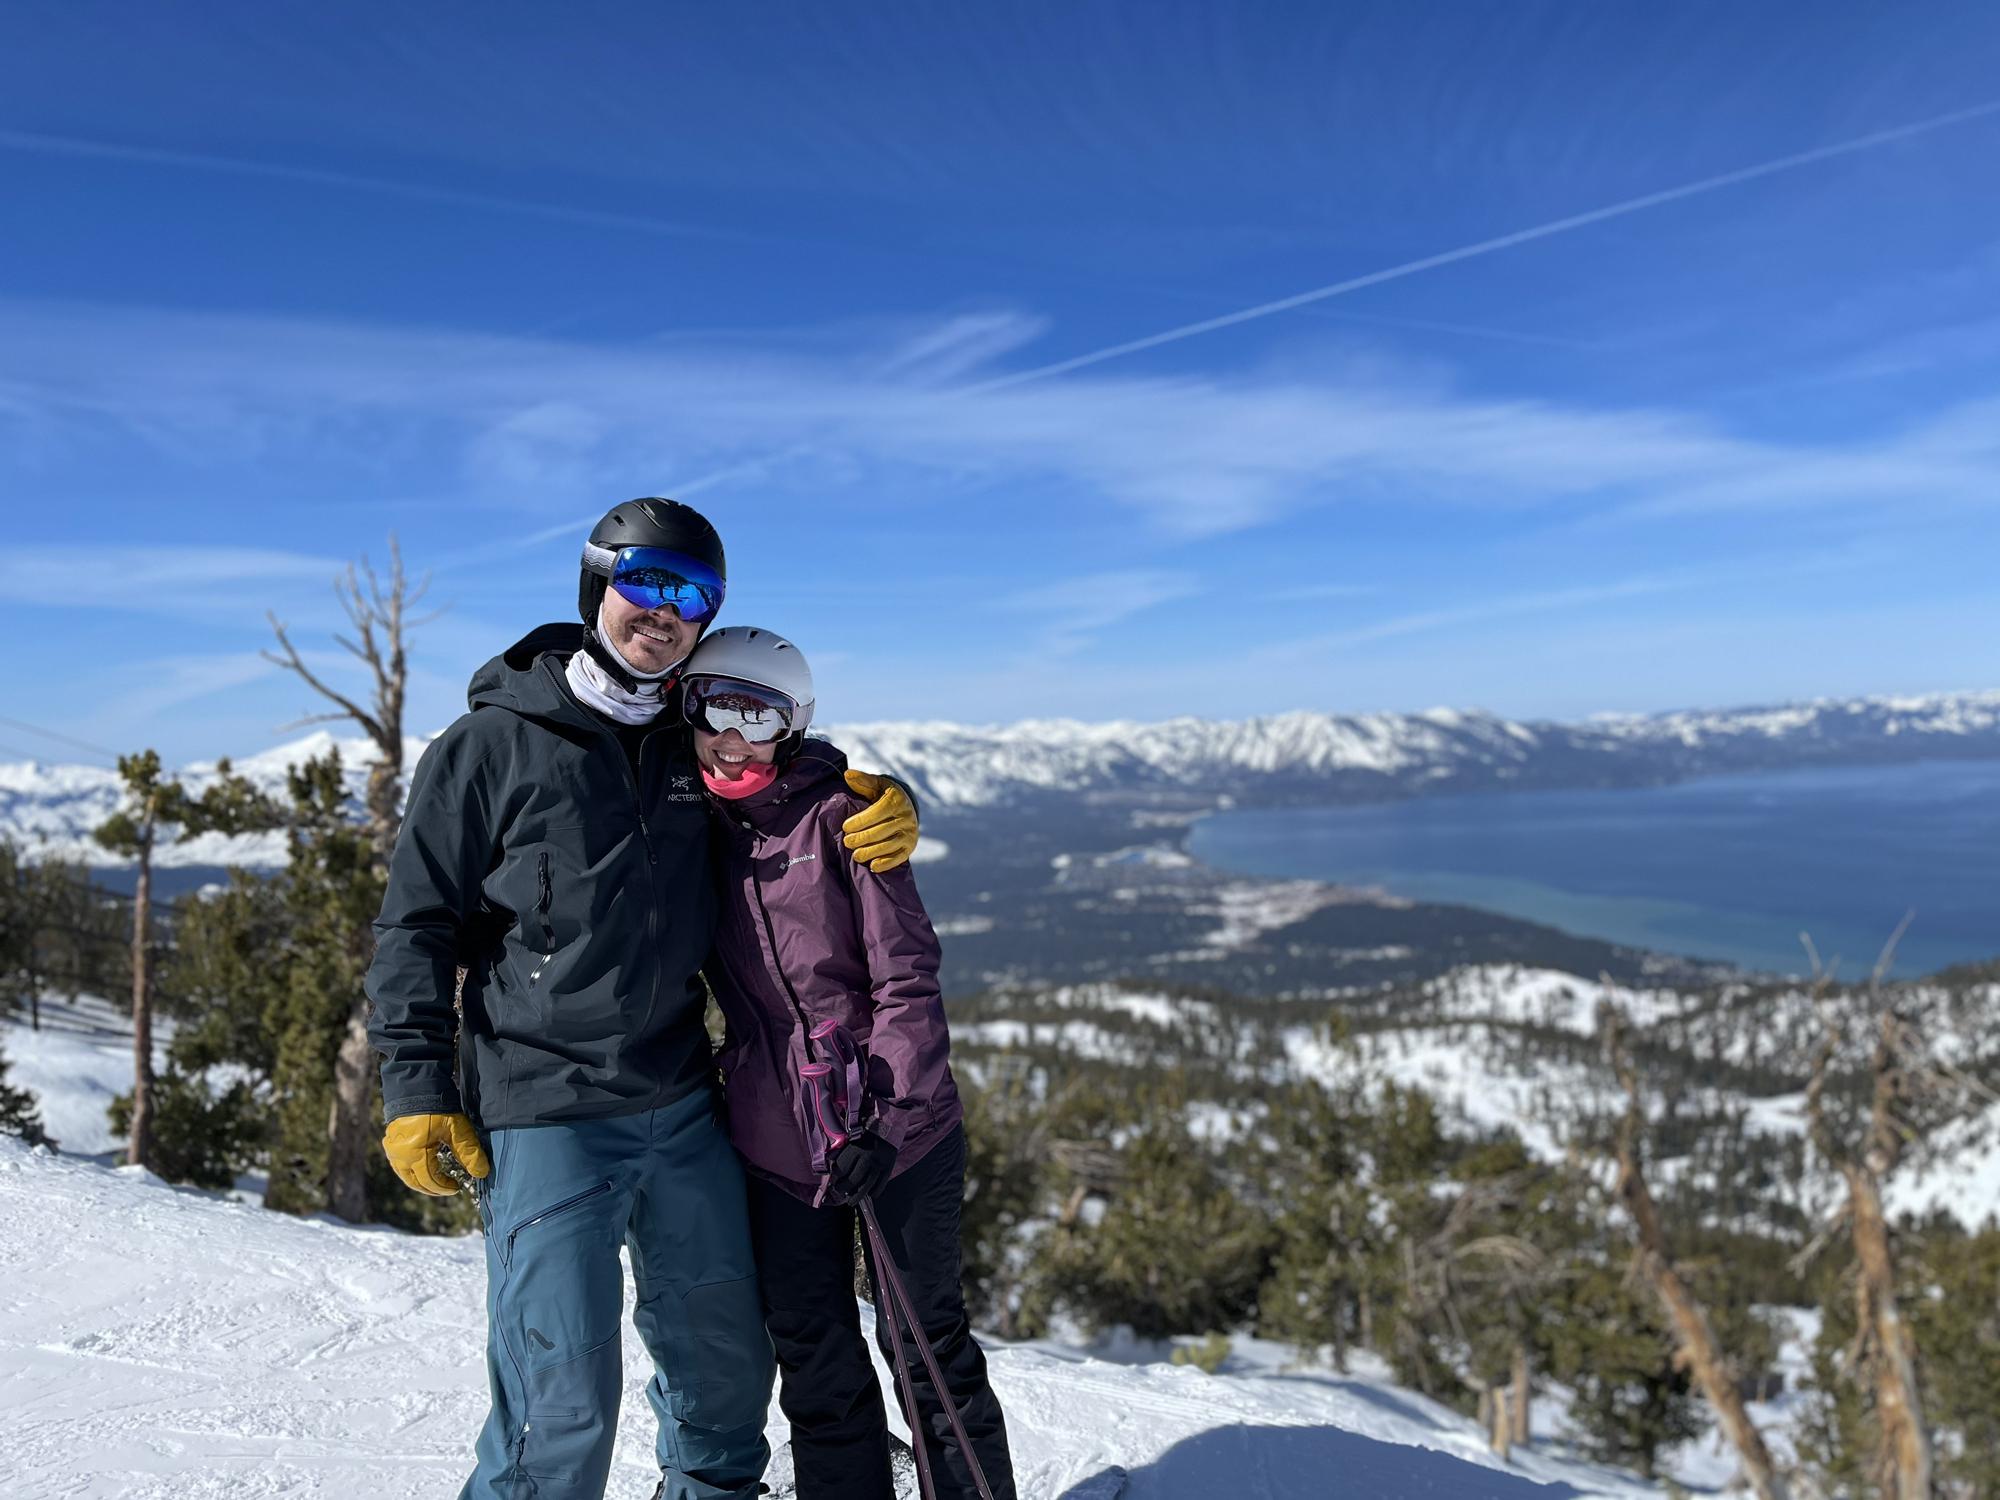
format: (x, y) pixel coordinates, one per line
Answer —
(1338, 757)
(1193, 763)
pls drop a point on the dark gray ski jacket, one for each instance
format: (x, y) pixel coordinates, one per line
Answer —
(575, 893)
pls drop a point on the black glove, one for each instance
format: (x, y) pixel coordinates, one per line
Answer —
(861, 1166)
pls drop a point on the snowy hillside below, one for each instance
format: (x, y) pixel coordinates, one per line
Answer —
(1503, 1047)
(161, 1343)
(1193, 762)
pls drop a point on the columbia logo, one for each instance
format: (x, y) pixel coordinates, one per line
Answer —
(795, 859)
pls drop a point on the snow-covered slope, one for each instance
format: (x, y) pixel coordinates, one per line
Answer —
(1286, 756)
(160, 1343)
(76, 1063)
(1508, 1047)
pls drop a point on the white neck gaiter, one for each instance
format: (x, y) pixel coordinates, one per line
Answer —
(595, 688)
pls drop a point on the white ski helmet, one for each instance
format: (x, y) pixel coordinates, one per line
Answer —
(744, 653)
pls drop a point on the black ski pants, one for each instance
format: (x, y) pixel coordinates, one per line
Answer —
(826, 1384)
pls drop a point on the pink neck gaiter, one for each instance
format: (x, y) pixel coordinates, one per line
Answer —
(754, 779)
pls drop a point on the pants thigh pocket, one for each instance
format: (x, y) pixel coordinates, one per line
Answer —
(564, 1286)
(720, 1354)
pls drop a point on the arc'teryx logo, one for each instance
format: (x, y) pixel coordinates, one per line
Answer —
(683, 783)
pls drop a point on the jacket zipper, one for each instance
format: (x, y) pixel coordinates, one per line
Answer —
(771, 934)
(545, 898)
(635, 775)
(549, 1213)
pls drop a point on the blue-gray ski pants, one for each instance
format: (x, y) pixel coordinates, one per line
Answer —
(561, 1200)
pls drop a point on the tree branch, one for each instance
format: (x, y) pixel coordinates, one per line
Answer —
(291, 661)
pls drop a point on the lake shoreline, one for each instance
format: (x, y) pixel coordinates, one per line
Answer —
(1702, 866)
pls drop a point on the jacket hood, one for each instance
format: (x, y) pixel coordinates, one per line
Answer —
(527, 676)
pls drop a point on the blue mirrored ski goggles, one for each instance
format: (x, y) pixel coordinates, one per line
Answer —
(656, 577)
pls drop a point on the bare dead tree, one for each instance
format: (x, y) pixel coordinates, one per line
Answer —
(1095, 1170)
(1883, 1355)
(1653, 1261)
(379, 611)
(1456, 1267)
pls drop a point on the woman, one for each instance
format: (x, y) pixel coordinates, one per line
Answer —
(807, 940)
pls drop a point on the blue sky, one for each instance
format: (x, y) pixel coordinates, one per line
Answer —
(277, 281)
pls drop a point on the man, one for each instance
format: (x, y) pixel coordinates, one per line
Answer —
(555, 848)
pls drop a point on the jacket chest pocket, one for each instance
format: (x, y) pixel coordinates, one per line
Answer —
(545, 895)
(541, 883)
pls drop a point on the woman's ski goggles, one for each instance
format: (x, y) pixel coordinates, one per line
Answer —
(656, 577)
(720, 704)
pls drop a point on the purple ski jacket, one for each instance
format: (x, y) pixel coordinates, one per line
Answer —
(803, 935)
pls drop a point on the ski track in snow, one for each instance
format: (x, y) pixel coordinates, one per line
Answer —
(158, 1342)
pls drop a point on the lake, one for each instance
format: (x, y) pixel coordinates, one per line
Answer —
(1728, 867)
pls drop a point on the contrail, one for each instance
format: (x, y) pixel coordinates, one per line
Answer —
(67, 739)
(59, 145)
(579, 528)
(1488, 247)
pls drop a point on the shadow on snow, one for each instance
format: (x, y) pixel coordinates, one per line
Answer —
(1275, 1463)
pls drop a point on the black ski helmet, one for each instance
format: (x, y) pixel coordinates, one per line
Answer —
(650, 521)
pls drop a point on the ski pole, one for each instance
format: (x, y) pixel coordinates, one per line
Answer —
(926, 1486)
(896, 1293)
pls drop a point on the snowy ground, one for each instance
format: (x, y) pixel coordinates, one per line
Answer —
(181, 1345)
(157, 1342)
(76, 1064)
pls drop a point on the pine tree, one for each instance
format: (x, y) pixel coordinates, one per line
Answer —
(1948, 1279)
(1607, 1339)
(1177, 1249)
(158, 807)
(1006, 1136)
(332, 890)
(1958, 1328)
(224, 970)
(19, 1114)
(23, 923)
(151, 805)
(1324, 1287)
(199, 1135)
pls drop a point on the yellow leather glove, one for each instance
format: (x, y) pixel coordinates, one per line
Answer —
(412, 1145)
(883, 834)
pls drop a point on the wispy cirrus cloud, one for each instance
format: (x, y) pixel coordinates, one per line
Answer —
(160, 580)
(960, 345)
(155, 686)
(1494, 608)
(1063, 615)
(550, 425)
